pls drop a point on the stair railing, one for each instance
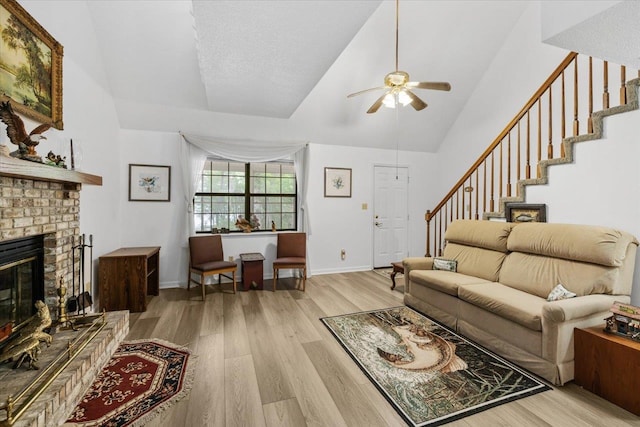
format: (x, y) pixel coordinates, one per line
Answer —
(537, 131)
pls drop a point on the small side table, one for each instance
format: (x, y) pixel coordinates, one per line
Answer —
(609, 366)
(252, 275)
(397, 268)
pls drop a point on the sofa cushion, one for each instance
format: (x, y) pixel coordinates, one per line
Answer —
(606, 246)
(474, 261)
(538, 275)
(482, 234)
(520, 307)
(442, 280)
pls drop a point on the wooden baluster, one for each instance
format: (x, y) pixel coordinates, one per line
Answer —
(605, 94)
(440, 234)
(590, 119)
(427, 218)
(451, 211)
(492, 181)
(484, 192)
(477, 192)
(623, 85)
(564, 120)
(500, 193)
(576, 122)
(527, 169)
(550, 145)
(539, 138)
(509, 164)
(518, 157)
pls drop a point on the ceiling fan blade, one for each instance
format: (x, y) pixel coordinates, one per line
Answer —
(376, 105)
(416, 102)
(366, 90)
(430, 85)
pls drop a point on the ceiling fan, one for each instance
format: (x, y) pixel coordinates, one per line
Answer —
(397, 86)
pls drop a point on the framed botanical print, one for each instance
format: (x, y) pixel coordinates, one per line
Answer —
(149, 183)
(337, 182)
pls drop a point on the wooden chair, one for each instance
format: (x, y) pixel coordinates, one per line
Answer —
(206, 258)
(291, 254)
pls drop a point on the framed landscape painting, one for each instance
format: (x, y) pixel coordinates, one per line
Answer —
(337, 182)
(149, 183)
(30, 66)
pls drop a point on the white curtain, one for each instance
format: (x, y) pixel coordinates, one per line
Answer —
(196, 148)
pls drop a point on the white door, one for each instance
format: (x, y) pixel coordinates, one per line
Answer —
(390, 215)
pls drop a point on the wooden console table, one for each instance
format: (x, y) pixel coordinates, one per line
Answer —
(609, 366)
(126, 276)
(252, 274)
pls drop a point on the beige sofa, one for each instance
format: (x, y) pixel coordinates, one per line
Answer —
(505, 271)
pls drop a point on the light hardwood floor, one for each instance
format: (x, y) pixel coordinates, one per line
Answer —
(264, 359)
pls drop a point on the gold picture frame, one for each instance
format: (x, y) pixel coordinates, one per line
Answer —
(33, 83)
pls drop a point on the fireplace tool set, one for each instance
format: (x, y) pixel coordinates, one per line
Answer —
(77, 302)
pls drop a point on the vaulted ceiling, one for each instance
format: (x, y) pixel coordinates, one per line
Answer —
(290, 64)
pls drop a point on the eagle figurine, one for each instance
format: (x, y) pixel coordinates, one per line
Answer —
(18, 135)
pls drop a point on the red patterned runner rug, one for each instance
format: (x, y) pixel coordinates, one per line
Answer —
(141, 379)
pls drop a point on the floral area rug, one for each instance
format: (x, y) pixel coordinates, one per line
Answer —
(141, 379)
(429, 374)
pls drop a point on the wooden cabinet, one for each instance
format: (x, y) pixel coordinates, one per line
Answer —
(252, 274)
(609, 366)
(126, 276)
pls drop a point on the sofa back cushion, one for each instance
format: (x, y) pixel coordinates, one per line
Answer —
(473, 261)
(479, 233)
(587, 243)
(538, 275)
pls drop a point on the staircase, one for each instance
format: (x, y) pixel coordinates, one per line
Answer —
(504, 170)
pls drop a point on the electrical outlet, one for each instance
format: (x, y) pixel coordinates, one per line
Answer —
(365, 206)
(343, 254)
(230, 258)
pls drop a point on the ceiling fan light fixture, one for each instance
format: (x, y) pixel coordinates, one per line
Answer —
(396, 98)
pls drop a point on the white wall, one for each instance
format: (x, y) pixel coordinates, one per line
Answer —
(335, 223)
(518, 70)
(89, 119)
(601, 187)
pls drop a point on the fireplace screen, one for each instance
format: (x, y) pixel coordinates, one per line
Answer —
(21, 279)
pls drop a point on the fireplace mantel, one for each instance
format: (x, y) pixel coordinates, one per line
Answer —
(17, 168)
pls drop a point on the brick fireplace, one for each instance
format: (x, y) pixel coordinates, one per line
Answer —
(31, 207)
(40, 200)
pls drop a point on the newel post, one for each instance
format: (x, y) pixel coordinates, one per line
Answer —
(427, 217)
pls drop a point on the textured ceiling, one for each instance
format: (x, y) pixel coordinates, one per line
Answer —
(264, 57)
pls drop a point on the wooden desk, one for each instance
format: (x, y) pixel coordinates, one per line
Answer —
(252, 271)
(609, 366)
(126, 276)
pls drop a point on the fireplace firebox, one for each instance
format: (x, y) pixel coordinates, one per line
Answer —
(21, 279)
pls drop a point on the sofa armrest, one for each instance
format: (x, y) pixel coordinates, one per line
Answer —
(578, 307)
(417, 263)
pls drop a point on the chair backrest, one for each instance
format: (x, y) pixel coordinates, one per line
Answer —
(292, 245)
(205, 249)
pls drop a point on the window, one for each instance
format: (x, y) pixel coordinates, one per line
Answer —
(262, 192)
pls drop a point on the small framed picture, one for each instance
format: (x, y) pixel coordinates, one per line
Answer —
(523, 212)
(149, 183)
(337, 182)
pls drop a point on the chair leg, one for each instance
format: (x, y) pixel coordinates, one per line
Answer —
(275, 277)
(304, 278)
(202, 285)
(189, 278)
(234, 281)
